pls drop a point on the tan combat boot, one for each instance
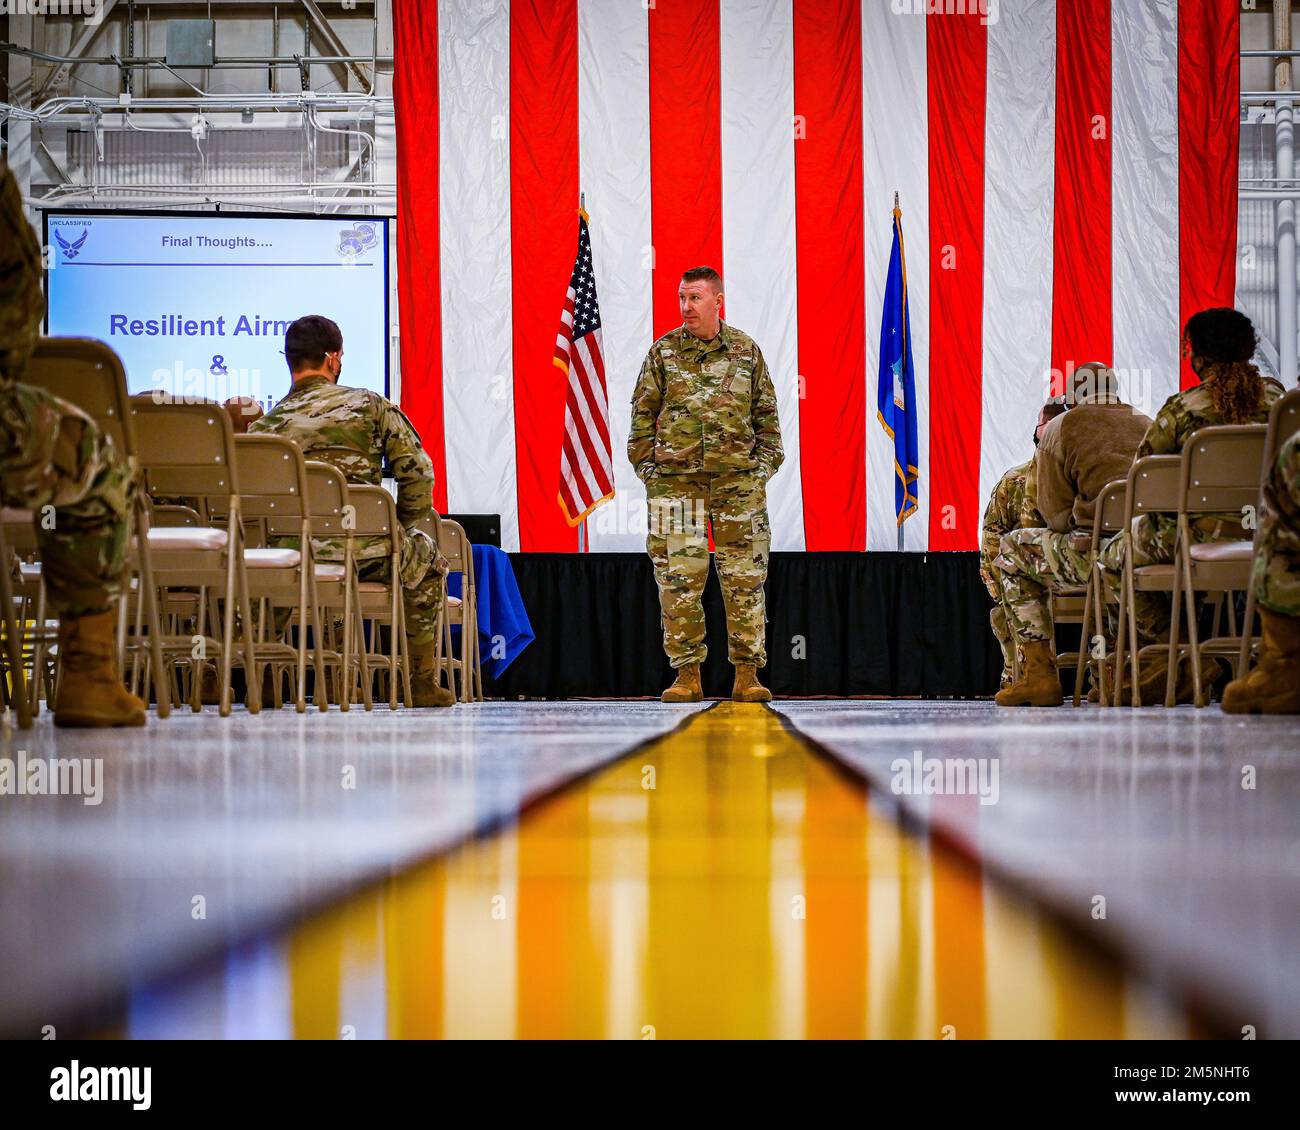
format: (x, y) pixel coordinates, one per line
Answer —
(1273, 686)
(1039, 683)
(90, 689)
(425, 688)
(747, 688)
(686, 687)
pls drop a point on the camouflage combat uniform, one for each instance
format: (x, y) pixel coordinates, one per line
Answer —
(1153, 536)
(1011, 507)
(52, 453)
(1070, 472)
(1277, 566)
(705, 439)
(355, 430)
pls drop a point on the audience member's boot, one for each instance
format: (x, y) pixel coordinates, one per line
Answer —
(747, 688)
(426, 690)
(1185, 691)
(1095, 669)
(90, 689)
(1273, 684)
(1039, 683)
(686, 687)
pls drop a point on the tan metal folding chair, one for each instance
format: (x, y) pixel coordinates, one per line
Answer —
(273, 491)
(1108, 519)
(1283, 423)
(375, 515)
(1220, 472)
(455, 546)
(89, 374)
(330, 513)
(1152, 487)
(189, 450)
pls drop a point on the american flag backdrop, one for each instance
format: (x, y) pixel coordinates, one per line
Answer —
(1067, 169)
(586, 452)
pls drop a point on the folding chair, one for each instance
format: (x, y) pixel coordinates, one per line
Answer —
(273, 491)
(1283, 423)
(1108, 519)
(329, 510)
(1220, 472)
(455, 546)
(189, 450)
(1152, 487)
(380, 602)
(89, 374)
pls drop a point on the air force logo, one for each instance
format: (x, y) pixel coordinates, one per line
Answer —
(73, 249)
(353, 241)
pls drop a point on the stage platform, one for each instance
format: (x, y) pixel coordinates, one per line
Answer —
(710, 870)
(839, 624)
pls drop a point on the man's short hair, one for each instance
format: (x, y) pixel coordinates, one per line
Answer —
(1053, 408)
(307, 340)
(704, 274)
(1092, 382)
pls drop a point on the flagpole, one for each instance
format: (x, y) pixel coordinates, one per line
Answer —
(898, 215)
(582, 526)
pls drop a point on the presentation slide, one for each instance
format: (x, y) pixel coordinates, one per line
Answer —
(197, 305)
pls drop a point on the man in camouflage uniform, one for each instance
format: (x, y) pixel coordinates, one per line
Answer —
(1012, 506)
(55, 462)
(356, 431)
(1273, 686)
(705, 439)
(1080, 452)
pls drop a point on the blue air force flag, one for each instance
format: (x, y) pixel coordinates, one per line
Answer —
(896, 387)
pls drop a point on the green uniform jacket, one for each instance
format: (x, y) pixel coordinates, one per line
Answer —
(355, 430)
(704, 406)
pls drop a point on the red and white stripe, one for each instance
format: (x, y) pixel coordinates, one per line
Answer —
(1067, 173)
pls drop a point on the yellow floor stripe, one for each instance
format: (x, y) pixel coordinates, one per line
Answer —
(723, 882)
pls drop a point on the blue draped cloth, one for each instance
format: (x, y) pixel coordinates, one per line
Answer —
(503, 627)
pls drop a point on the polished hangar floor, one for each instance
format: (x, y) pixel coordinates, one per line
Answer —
(628, 870)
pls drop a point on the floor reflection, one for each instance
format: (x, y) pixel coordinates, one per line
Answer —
(723, 882)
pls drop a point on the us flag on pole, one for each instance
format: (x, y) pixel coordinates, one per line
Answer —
(586, 460)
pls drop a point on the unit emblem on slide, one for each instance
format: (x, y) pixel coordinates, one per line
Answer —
(353, 241)
(73, 249)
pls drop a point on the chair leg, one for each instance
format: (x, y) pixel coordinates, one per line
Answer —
(1247, 633)
(228, 620)
(404, 664)
(1135, 645)
(38, 652)
(318, 637)
(1121, 634)
(478, 653)
(14, 642)
(301, 702)
(394, 646)
(148, 592)
(363, 654)
(1085, 644)
(1171, 668)
(252, 671)
(1193, 632)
